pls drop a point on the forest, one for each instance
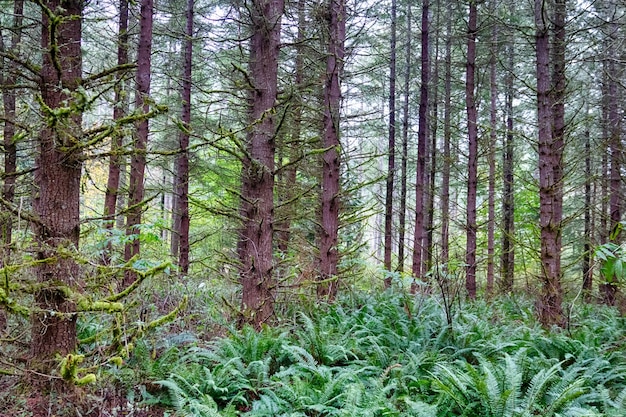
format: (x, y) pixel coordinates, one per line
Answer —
(312, 208)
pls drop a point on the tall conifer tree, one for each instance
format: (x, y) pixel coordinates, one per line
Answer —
(331, 162)
(255, 246)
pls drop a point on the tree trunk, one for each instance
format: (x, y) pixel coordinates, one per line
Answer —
(8, 79)
(257, 205)
(119, 111)
(430, 194)
(550, 151)
(422, 137)
(609, 287)
(138, 160)
(472, 164)
(507, 260)
(391, 163)
(8, 82)
(329, 255)
(603, 233)
(405, 144)
(447, 133)
(289, 177)
(588, 232)
(181, 178)
(56, 203)
(493, 128)
(432, 162)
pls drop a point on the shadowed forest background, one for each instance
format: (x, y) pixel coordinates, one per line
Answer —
(312, 208)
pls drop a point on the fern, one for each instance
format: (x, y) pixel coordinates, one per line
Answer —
(497, 388)
(187, 399)
(537, 386)
(612, 406)
(370, 357)
(452, 383)
(323, 343)
(368, 397)
(563, 396)
(269, 405)
(418, 409)
(512, 379)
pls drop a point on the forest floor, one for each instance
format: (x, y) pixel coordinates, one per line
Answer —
(18, 399)
(388, 354)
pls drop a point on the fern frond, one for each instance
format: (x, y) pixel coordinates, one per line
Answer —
(620, 400)
(176, 394)
(300, 356)
(453, 383)
(513, 379)
(537, 386)
(204, 406)
(268, 405)
(564, 396)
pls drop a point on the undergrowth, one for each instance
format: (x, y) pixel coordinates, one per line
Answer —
(389, 355)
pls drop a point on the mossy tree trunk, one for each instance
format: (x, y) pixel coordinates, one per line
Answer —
(181, 179)
(8, 81)
(255, 246)
(288, 175)
(56, 199)
(329, 253)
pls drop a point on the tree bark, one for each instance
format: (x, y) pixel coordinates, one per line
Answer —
(422, 137)
(8, 81)
(447, 133)
(609, 286)
(472, 164)
(391, 162)
(289, 173)
(257, 204)
(507, 260)
(181, 178)
(119, 111)
(588, 231)
(549, 105)
(329, 256)
(432, 162)
(138, 160)
(603, 229)
(56, 202)
(405, 144)
(493, 128)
